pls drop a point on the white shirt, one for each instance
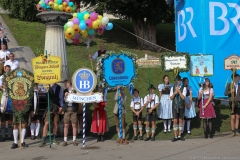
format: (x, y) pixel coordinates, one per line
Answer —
(184, 92)
(152, 103)
(95, 56)
(1, 80)
(236, 87)
(206, 92)
(13, 65)
(4, 54)
(136, 100)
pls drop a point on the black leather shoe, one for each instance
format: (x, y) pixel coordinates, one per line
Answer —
(141, 137)
(2, 139)
(99, 138)
(153, 138)
(102, 138)
(174, 139)
(32, 137)
(211, 134)
(24, 144)
(147, 138)
(205, 135)
(14, 145)
(181, 138)
(135, 138)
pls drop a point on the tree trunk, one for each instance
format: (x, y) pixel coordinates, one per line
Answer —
(146, 31)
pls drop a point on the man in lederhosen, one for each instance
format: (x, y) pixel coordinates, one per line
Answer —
(151, 102)
(56, 100)
(234, 91)
(5, 116)
(177, 95)
(70, 114)
(35, 119)
(100, 52)
(137, 107)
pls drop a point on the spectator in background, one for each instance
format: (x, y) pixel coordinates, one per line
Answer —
(3, 57)
(1, 26)
(100, 52)
(3, 39)
(14, 64)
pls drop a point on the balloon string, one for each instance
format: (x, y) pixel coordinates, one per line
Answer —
(143, 38)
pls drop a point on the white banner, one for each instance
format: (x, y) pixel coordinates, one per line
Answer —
(97, 97)
(175, 62)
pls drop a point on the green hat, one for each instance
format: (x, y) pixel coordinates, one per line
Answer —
(152, 87)
(178, 78)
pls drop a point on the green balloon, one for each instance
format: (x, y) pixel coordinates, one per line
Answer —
(65, 27)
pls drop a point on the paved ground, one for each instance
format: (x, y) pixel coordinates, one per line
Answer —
(216, 148)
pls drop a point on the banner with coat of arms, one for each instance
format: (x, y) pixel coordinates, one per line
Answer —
(19, 84)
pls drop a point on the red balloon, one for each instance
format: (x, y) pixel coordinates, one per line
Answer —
(76, 41)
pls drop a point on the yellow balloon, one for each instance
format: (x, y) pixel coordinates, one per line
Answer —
(100, 17)
(70, 32)
(55, 7)
(99, 22)
(40, 2)
(86, 16)
(95, 25)
(64, 3)
(55, 1)
(84, 33)
(51, 4)
(74, 14)
(60, 7)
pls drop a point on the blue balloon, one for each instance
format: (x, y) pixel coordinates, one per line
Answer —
(71, 4)
(80, 16)
(43, 5)
(109, 26)
(91, 32)
(82, 26)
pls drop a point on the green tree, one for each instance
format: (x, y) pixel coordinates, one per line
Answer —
(153, 11)
(21, 9)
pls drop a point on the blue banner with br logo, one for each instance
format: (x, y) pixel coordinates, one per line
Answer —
(118, 69)
(208, 27)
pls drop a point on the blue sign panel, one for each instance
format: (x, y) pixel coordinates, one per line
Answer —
(84, 80)
(208, 27)
(118, 70)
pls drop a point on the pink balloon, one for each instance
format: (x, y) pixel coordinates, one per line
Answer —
(67, 1)
(89, 23)
(100, 30)
(76, 36)
(75, 21)
(94, 16)
(76, 41)
(46, 1)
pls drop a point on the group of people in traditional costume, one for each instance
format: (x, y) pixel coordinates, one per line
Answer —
(174, 103)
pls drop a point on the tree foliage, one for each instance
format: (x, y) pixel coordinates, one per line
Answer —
(21, 9)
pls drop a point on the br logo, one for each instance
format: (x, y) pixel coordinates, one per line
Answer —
(84, 80)
(118, 66)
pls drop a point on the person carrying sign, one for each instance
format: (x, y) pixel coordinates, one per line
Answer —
(115, 111)
(56, 99)
(235, 90)
(70, 110)
(137, 107)
(151, 102)
(177, 95)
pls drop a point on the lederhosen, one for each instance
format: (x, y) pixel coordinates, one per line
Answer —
(178, 105)
(151, 116)
(135, 117)
(236, 103)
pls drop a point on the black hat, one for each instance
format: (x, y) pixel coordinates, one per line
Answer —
(135, 90)
(178, 78)
(152, 87)
(235, 75)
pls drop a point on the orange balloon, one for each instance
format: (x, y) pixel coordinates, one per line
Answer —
(68, 9)
(64, 3)
(67, 35)
(76, 28)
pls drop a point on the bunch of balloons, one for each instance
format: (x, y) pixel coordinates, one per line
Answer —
(84, 26)
(56, 5)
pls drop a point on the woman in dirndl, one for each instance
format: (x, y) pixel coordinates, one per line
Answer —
(207, 113)
(165, 105)
(99, 120)
(190, 112)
